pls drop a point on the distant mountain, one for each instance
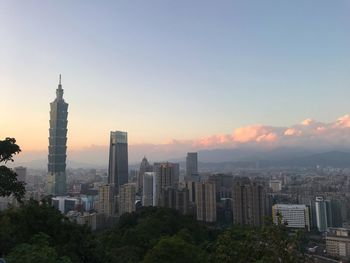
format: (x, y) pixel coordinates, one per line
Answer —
(336, 159)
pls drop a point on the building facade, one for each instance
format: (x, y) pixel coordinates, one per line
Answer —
(338, 243)
(167, 175)
(206, 201)
(144, 167)
(249, 201)
(118, 171)
(294, 216)
(191, 163)
(149, 189)
(106, 200)
(56, 181)
(126, 198)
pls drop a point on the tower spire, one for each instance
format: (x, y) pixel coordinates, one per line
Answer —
(60, 80)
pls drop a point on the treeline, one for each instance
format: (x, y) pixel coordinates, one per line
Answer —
(39, 233)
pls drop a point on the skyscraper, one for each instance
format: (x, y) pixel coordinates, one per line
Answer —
(126, 198)
(57, 144)
(206, 201)
(249, 201)
(144, 167)
(149, 189)
(191, 164)
(105, 200)
(167, 175)
(118, 159)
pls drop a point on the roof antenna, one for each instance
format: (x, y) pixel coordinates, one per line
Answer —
(60, 80)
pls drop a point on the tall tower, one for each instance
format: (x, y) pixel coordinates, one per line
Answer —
(58, 144)
(191, 164)
(118, 172)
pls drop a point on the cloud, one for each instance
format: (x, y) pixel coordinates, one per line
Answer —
(309, 134)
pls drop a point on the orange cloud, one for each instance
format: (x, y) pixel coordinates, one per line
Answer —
(292, 132)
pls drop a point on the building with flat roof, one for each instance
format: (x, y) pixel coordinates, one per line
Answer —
(338, 243)
(118, 171)
(294, 216)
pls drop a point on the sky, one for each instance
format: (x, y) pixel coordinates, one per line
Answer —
(171, 71)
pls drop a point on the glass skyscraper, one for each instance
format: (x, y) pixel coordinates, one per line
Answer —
(118, 159)
(57, 144)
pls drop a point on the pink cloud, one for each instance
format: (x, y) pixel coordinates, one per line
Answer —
(292, 132)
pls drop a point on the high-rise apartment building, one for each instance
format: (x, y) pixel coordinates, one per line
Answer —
(106, 200)
(56, 181)
(294, 216)
(118, 159)
(338, 243)
(175, 198)
(206, 201)
(126, 198)
(322, 208)
(191, 163)
(167, 175)
(249, 201)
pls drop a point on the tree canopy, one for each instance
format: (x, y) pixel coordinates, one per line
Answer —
(9, 185)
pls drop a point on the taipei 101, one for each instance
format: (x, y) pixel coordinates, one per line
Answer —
(174, 131)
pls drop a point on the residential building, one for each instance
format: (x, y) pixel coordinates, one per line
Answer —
(206, 201)
(126, 198)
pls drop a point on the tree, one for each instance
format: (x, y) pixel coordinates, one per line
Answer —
(175, 249)
(38, 251)
(9, 185)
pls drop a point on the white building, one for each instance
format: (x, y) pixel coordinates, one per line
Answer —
(276, 185)
(149, 189)
(65, 203)
(295, 216)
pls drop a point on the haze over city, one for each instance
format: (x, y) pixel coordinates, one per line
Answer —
(178, 76)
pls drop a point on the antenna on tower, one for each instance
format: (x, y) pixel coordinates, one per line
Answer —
(60, 80)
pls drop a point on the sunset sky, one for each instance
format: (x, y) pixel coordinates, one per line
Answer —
(204, 73)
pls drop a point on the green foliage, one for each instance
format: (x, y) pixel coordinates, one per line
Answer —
(8, 179)
(38, 251)
(18, 225)
(271, 243)
(175, 249)
(39, 233)
(140, 231)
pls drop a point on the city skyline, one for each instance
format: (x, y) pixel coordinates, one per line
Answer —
(223, 66)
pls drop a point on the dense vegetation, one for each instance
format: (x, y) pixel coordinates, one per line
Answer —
(9, 185)
(39, 233)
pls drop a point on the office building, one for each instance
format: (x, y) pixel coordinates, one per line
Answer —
(56, 181)
(149, 189)
(65, 204)
(249, 201)
(191, 163)
(126, 198)
(206, 201)
(293, 216)
(322, 208)
(144, 167)
(118, 160)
